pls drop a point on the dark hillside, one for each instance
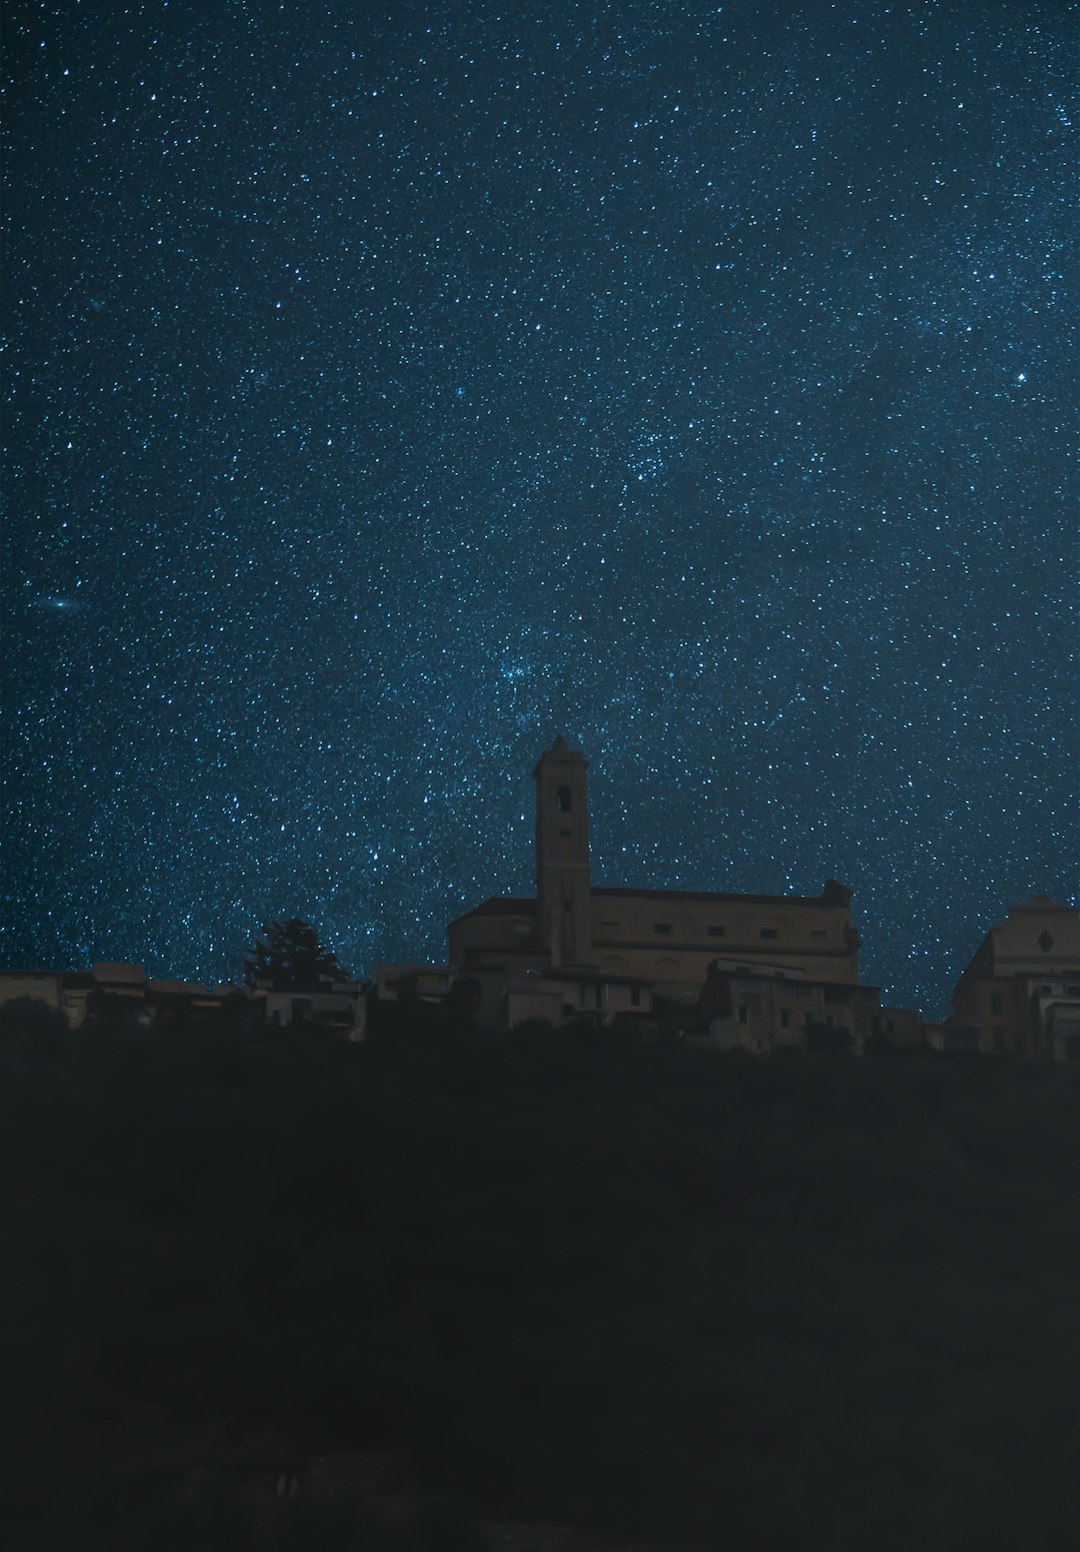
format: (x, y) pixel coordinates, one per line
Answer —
(812, 1302)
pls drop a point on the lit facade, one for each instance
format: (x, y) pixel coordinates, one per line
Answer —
(661, 938)
(1021, 991)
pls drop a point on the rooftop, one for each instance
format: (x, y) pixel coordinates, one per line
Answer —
(498, 905)
(709, 894)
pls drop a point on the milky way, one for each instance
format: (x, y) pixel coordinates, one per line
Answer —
(392, 386)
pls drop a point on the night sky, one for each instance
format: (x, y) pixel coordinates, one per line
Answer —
(393, 385)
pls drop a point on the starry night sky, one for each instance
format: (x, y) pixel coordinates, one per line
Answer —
(392, 385)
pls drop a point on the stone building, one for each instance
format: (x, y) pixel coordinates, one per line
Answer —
(410, 981)
(559, 995)
(338, 1007)
(45, 986)
(660, 941)
(761, 1008)
(118, 992)
(1021, 991)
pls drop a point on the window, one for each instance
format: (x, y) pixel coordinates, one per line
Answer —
(1045, 942)
(564, 800)
(1073, 991)
(769, 932)
(808, 1018)
(1000, 1044)
(1045, 989)
(716, 932)
(785, 1018)
(819, 932)
(635, 996)
(995, 1002)
(663, 928)
(743, 1013)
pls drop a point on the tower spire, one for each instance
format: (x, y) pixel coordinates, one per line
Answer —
(563, 886)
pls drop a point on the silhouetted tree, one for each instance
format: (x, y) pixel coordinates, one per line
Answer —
(31, 1031)
(289, 957)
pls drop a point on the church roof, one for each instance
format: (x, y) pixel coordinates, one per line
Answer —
(708, 894)
(505, 905)
(508, 905)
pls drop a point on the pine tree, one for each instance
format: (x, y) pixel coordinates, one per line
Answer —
(288, 956)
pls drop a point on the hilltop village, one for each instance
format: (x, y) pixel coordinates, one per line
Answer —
(508, 1252)
(727, 971)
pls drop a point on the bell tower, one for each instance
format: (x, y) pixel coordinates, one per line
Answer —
(563, 890)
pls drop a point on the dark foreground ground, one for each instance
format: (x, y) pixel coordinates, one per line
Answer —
(272, 1290)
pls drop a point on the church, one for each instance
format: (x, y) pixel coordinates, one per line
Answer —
(577, 947)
